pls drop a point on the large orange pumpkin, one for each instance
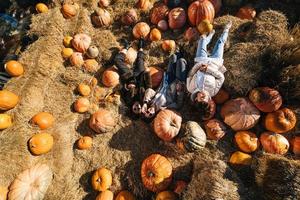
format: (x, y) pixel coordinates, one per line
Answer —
(69, 10)
(177, 18)
(246, 12)
(280, 121)
(274, 143)
(141, 30)
(105, 195)
(14, 68)
(240, 114)
(295, 145)
(240, 158)
(102, 121)
(156, 173)
(101, 179)
(125, 195)
(221, 97)
(215, 129)
(40, 143)
(157, 75)
(246, 141)
(43, 120)
(217, 5)
(265, 99)
(166, 195)
(200, 10)
(167, 124)
(110, 77)
(8, 100)
(158, 12)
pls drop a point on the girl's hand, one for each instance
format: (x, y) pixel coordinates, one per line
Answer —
(144, 108)
(203, 68)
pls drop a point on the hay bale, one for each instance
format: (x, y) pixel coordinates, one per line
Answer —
(277, 177)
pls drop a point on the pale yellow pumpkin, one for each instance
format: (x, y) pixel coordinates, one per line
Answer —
(5, 121)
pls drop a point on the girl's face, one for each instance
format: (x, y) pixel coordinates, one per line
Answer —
(202, 97)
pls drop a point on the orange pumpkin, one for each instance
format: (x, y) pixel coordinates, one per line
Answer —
(125, 195)
(157, 75)
(5, 121)
(240, 114)
(130, 17)
(69, 10)
(246, 12)
(85, 142)
(101, 179)
(221, 97)
(166, 195)
(101, 17)
(265, 99)
(91, 65)
(201, 10)
(158, 13)
(274, 143)
(141, 30)
(280, 121)
(81, 105)
(40, 143)
(110, 77)
(191, 34)
(8, 100)
(84, 89)
(76, 59)
(177, 18)
(156, 173)
(41, 8)
(180, 186)
(81, 42)
(215, 129)
(240, 158)
(168, 45)
(217, 5)
(155, 35)
(43, 120)
(143, 4)
(102, 121)
(14, 68)
(105, 195)
(246, 141)
(295, 145)
(167, 124)
(3, 193)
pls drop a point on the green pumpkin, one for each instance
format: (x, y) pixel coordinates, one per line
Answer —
(233, 2)
(192, 137)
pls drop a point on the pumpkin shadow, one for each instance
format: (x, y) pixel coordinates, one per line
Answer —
(84, 129)
(85, 183)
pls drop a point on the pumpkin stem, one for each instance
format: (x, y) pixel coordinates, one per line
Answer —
(99, 180)
(150, 174)
(173, 124)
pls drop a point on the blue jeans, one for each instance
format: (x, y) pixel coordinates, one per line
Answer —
(177, 68)
(218, 50)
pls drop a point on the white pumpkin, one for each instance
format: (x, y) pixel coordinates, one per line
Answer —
(31, 184)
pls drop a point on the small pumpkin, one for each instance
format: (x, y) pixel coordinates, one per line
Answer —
(131, 56)
(41, 8)
(192, 137)
(43, 120)
(141, 30)
(155, 35)
(8, 100)
(168, 45)
(246, 141)
(67, 41)
(81, 42)
(81, 105)
(92, 52)
(156, 75)
(101, 17)
(84, 89)
(246, 12)
(5, 121)
(156, 173)
(85, 142)
(274, 143)
(215, 129)
(295, 145)
(280, 121)
(105, 195)
(31, 184)
(180, 186)
(40, 143)
(102, 121)
(144, 5)
(240, 114)
(130, 17)
(217, 5)
(14, 68)
(201, 10)
(101, 179)
(191, 34)
(162, 25)
(104, 3)
(221, 97)
(3, 193)
(166, 195)
(76, 59)
(125, 195)
(240, 158)
(167, 124)
(91, 65)
(110, 77)
(67, 52)
(158, 13)
(93, 82)
(177, 18)
(69, 10)
(205, 27)
(266, 99)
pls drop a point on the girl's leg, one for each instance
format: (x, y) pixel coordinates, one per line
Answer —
(181, 69)
(171, 71)
(202, 45)
(124, 71)
(139, 66)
